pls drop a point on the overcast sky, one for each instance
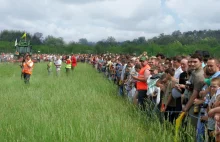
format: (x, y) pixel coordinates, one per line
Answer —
(99, 19)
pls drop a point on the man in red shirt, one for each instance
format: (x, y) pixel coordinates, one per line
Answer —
(74, 62)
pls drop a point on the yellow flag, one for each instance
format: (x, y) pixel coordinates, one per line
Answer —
(178, 124)
(24, 35)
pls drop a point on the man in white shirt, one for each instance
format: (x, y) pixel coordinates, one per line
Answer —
(58, 64)
(177, 66)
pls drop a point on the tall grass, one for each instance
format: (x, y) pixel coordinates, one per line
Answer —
(83, 106)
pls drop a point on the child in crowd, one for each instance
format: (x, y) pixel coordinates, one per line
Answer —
(214, 87)
(217, 118)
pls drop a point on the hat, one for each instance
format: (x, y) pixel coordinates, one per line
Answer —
(153, 57)
(133, 59)
(144, 53)
(143, 58)
(153, 68)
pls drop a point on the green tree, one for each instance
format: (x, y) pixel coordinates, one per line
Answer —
(83, 41)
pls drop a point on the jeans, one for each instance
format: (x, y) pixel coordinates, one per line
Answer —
(121, 90)
(200, 131)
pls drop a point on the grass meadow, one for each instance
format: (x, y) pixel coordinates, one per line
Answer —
(81, 107)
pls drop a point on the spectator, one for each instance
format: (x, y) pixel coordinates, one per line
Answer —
(213, 70)
(143, 75)
(217, 119)
(212, 66)
(180, 87)
(194, 86)
(169, 101)
(122, 77)
(215, 85)
(177, 67)
(135, 94)
(153, 91)
(160, 56)
(58, 64)
(68, 65)
(74, 62)
(49, 67)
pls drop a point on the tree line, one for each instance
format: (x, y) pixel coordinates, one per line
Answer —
(176, 43)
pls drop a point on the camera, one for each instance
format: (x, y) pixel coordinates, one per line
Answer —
(189, 85)
(203, 108)
(202, 111)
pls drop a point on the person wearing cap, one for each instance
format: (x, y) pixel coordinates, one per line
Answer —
(143, 75)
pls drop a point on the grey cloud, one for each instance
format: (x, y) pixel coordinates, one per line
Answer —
(94, 20)
(81, 1)
(144, 11)
(196, 14)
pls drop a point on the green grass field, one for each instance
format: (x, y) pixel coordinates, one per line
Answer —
(81, 107)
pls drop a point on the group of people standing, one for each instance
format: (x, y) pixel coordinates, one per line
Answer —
(71, 63)
(27, 66)
(188, 85)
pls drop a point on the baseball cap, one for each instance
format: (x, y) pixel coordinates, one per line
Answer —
(143, 58)
(153, 57)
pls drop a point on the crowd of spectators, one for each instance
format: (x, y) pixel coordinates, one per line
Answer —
(6, 57)
(9, 57)
(188, 85)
